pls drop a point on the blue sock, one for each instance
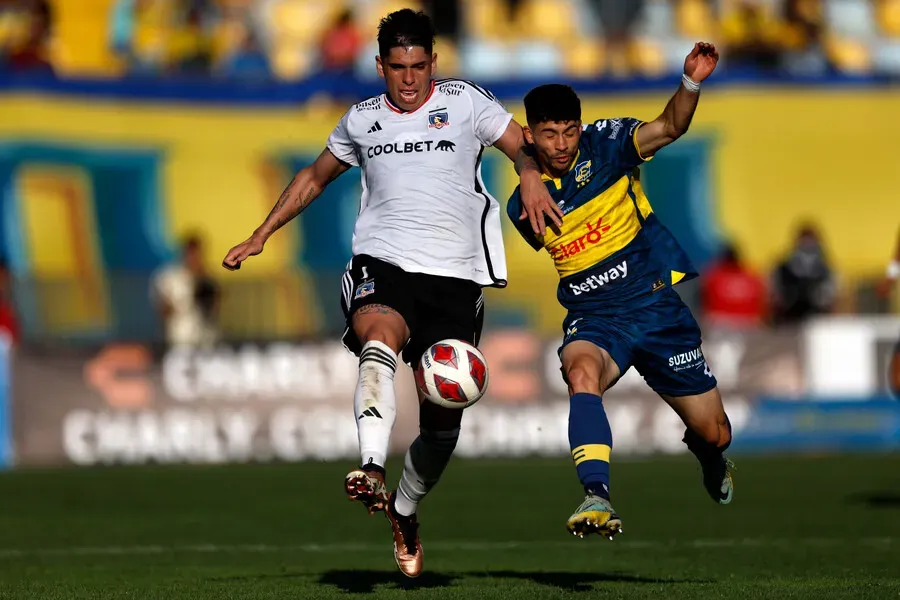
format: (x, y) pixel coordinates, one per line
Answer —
(590, 438)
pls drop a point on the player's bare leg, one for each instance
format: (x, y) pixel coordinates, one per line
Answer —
(383, 333)
(424, 464)
(708, 435)
(589, 371)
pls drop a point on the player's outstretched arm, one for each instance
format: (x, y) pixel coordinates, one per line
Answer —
(306, 186)
(536, 200)
(676, 118)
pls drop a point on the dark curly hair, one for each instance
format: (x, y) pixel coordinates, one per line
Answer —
(554, 103)
(403, 29)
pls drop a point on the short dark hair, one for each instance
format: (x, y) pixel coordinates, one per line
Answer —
(403, 29)
(730, 253)
(553, 102)
(192, 242)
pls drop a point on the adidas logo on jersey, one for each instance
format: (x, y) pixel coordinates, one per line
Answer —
(376, 127)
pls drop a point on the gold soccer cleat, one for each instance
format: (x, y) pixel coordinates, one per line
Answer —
(407, 546)
(595, 515)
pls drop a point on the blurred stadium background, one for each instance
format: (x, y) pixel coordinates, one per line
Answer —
(140, 139)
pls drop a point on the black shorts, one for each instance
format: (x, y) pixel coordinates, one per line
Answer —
(435, 308)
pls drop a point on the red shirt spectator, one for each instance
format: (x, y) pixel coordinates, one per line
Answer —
(9, 323)
(341, 44)
(733, 294)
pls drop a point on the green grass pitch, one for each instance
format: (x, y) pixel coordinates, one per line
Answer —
(817, 527)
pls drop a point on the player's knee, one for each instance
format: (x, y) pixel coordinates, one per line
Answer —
(387, 337)
(583, 376)
(441, 438)
(389, 330)
(715, 432)
(724, 435)
(435, 419)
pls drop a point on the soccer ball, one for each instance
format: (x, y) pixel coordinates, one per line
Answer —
(453, 374)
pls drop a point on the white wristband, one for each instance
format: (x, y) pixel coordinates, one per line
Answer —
(690, 84)
(893, 270)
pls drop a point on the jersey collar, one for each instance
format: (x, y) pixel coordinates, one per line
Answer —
(398, 110)
(558, 182)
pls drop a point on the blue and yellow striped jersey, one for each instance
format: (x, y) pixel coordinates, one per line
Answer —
(612, 251)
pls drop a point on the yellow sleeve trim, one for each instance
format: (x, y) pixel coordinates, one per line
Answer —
(677, 276)
(591, 452)
(638, 146)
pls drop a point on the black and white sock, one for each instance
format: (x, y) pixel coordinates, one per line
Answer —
(374, 403)
(425, 461)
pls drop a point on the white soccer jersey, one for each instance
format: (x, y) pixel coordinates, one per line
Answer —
(424, 206)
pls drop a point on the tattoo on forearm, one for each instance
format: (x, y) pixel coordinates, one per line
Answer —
(275, 214)
(308, 197)
(279, 216)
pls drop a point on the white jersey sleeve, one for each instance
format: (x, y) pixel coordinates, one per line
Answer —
(490, 118)
(340, 144)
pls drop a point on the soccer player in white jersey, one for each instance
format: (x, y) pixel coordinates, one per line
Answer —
(427, 239)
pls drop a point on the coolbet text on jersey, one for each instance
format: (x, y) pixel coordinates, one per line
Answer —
(424, 206)
(612, 251)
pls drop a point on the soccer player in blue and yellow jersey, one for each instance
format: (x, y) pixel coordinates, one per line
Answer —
(617, 264)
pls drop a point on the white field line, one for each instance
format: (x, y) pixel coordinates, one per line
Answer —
(449, 546)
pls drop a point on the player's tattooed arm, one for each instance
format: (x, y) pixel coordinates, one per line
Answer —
(679, 112)
(303, 189)
(299, 200)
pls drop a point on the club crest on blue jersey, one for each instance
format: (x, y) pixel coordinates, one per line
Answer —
(582, 171)
(364, 289)
(438, 120)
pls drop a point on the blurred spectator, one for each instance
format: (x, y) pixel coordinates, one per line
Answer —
(804, 284)
(9, 323)
(187, 299)
(341, 44)
(732, 294)
(618, 20)
(751, 36)
(29, 51)
(249, 61)
(135, 33)
(510, 10)
(191, 46)
(154, 36)
(803, 28)
(446, 16)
